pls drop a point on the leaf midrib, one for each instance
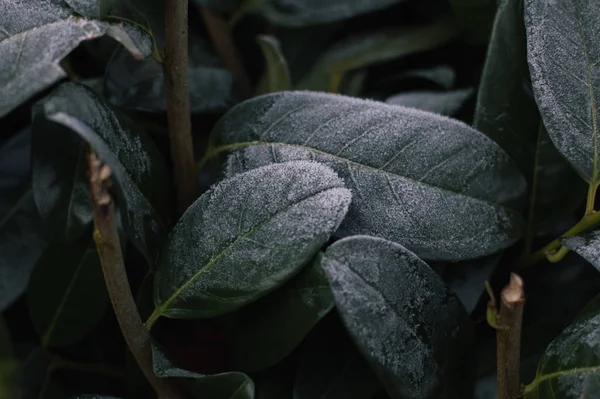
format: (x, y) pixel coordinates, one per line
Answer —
(541, 378)
(226, 147)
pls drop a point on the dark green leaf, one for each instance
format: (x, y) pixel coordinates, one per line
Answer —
(563, 51)
(443, 103)
(224, 6)
(277, 76)
(21, 238)
(139, 85)
(477, 16)
(587, 245)
(150, 14)
(247, 236)
(441, 75)
(570, 367)
(35, 380)
(137, 167)
(331, 367)
(377, 47)
(411, 329)
(433, 184)
(314, 12)
(60, 187)
(91, 8)
(271, 328)
(67, 295)
(35, 36)
(507, 113)
(232, 385)
(8, 364)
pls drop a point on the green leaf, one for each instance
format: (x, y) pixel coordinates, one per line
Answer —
(443, 103)
(137, 167)
(314, 12)
(438, 187)
(270, 329)
(563, 54)
(331, 367)
(377, 47)
(91, 8)
(277, 76)
(477, 16)
(67, 295)
(247, 236)
(60, 186)
(139, 85)
(35, 381)
(232, 385)
(587, 245)
(21, 234)
(506, 111)
(570, 367)
(35, 37)
(411, 329)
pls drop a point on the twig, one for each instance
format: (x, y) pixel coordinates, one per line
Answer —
(508, 338)
(221, 37)
(178, 102)
(108, 246)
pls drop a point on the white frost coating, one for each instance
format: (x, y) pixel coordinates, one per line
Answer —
(36, 35)
(399, 313)
(128, 154)
(563, 52)
(443, 103)
(570, 367)
(586, 245)
(246, 236)
(433, 184)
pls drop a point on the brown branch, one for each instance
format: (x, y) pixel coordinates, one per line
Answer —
(508, 338)
(178, 102)
(221, 37)
(108, 246)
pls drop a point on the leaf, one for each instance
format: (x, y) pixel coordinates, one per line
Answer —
(137, 167)
(430, 183)
(247, 236)
(442, 75)
(507, 112)
(411, 329)
(270, 329)
(570, 367)
(587, 245)
(331, 367)
(277, 76)
(231, 385)
(21, 235)
(8, 363)
(377, 47)
(91, 8)
(443, 103)
(67, 295)
(562, 51)
(477, 16)
(35, 380)
(36, 36)
(314, 12)
(60, 186)
(139, 85)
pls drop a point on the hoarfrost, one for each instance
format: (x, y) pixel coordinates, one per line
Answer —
(401, 317)
(247, 236)
(433, 184)
(586, 245)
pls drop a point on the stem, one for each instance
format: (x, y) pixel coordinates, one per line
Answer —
(108, 246)
(178, 102)
(152, 319)
(508, 338)
(591, 198)
(221, 37)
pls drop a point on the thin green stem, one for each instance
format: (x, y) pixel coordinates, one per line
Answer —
(591, 198)
(152, 319)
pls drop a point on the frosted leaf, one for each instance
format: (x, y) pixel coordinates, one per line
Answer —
(21, 240)
(410, 328)
(140, 85)
(563, 54)
(376, 47)
(268, 330)
(586, 245)
(570, 367)
(35, 35)
(432, 184)
(137, 167)
(247, 236)
(232, 385)
(443, 103)
(442, 75)
(91, 8)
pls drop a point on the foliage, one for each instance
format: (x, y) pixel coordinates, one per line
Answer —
(388, 159)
